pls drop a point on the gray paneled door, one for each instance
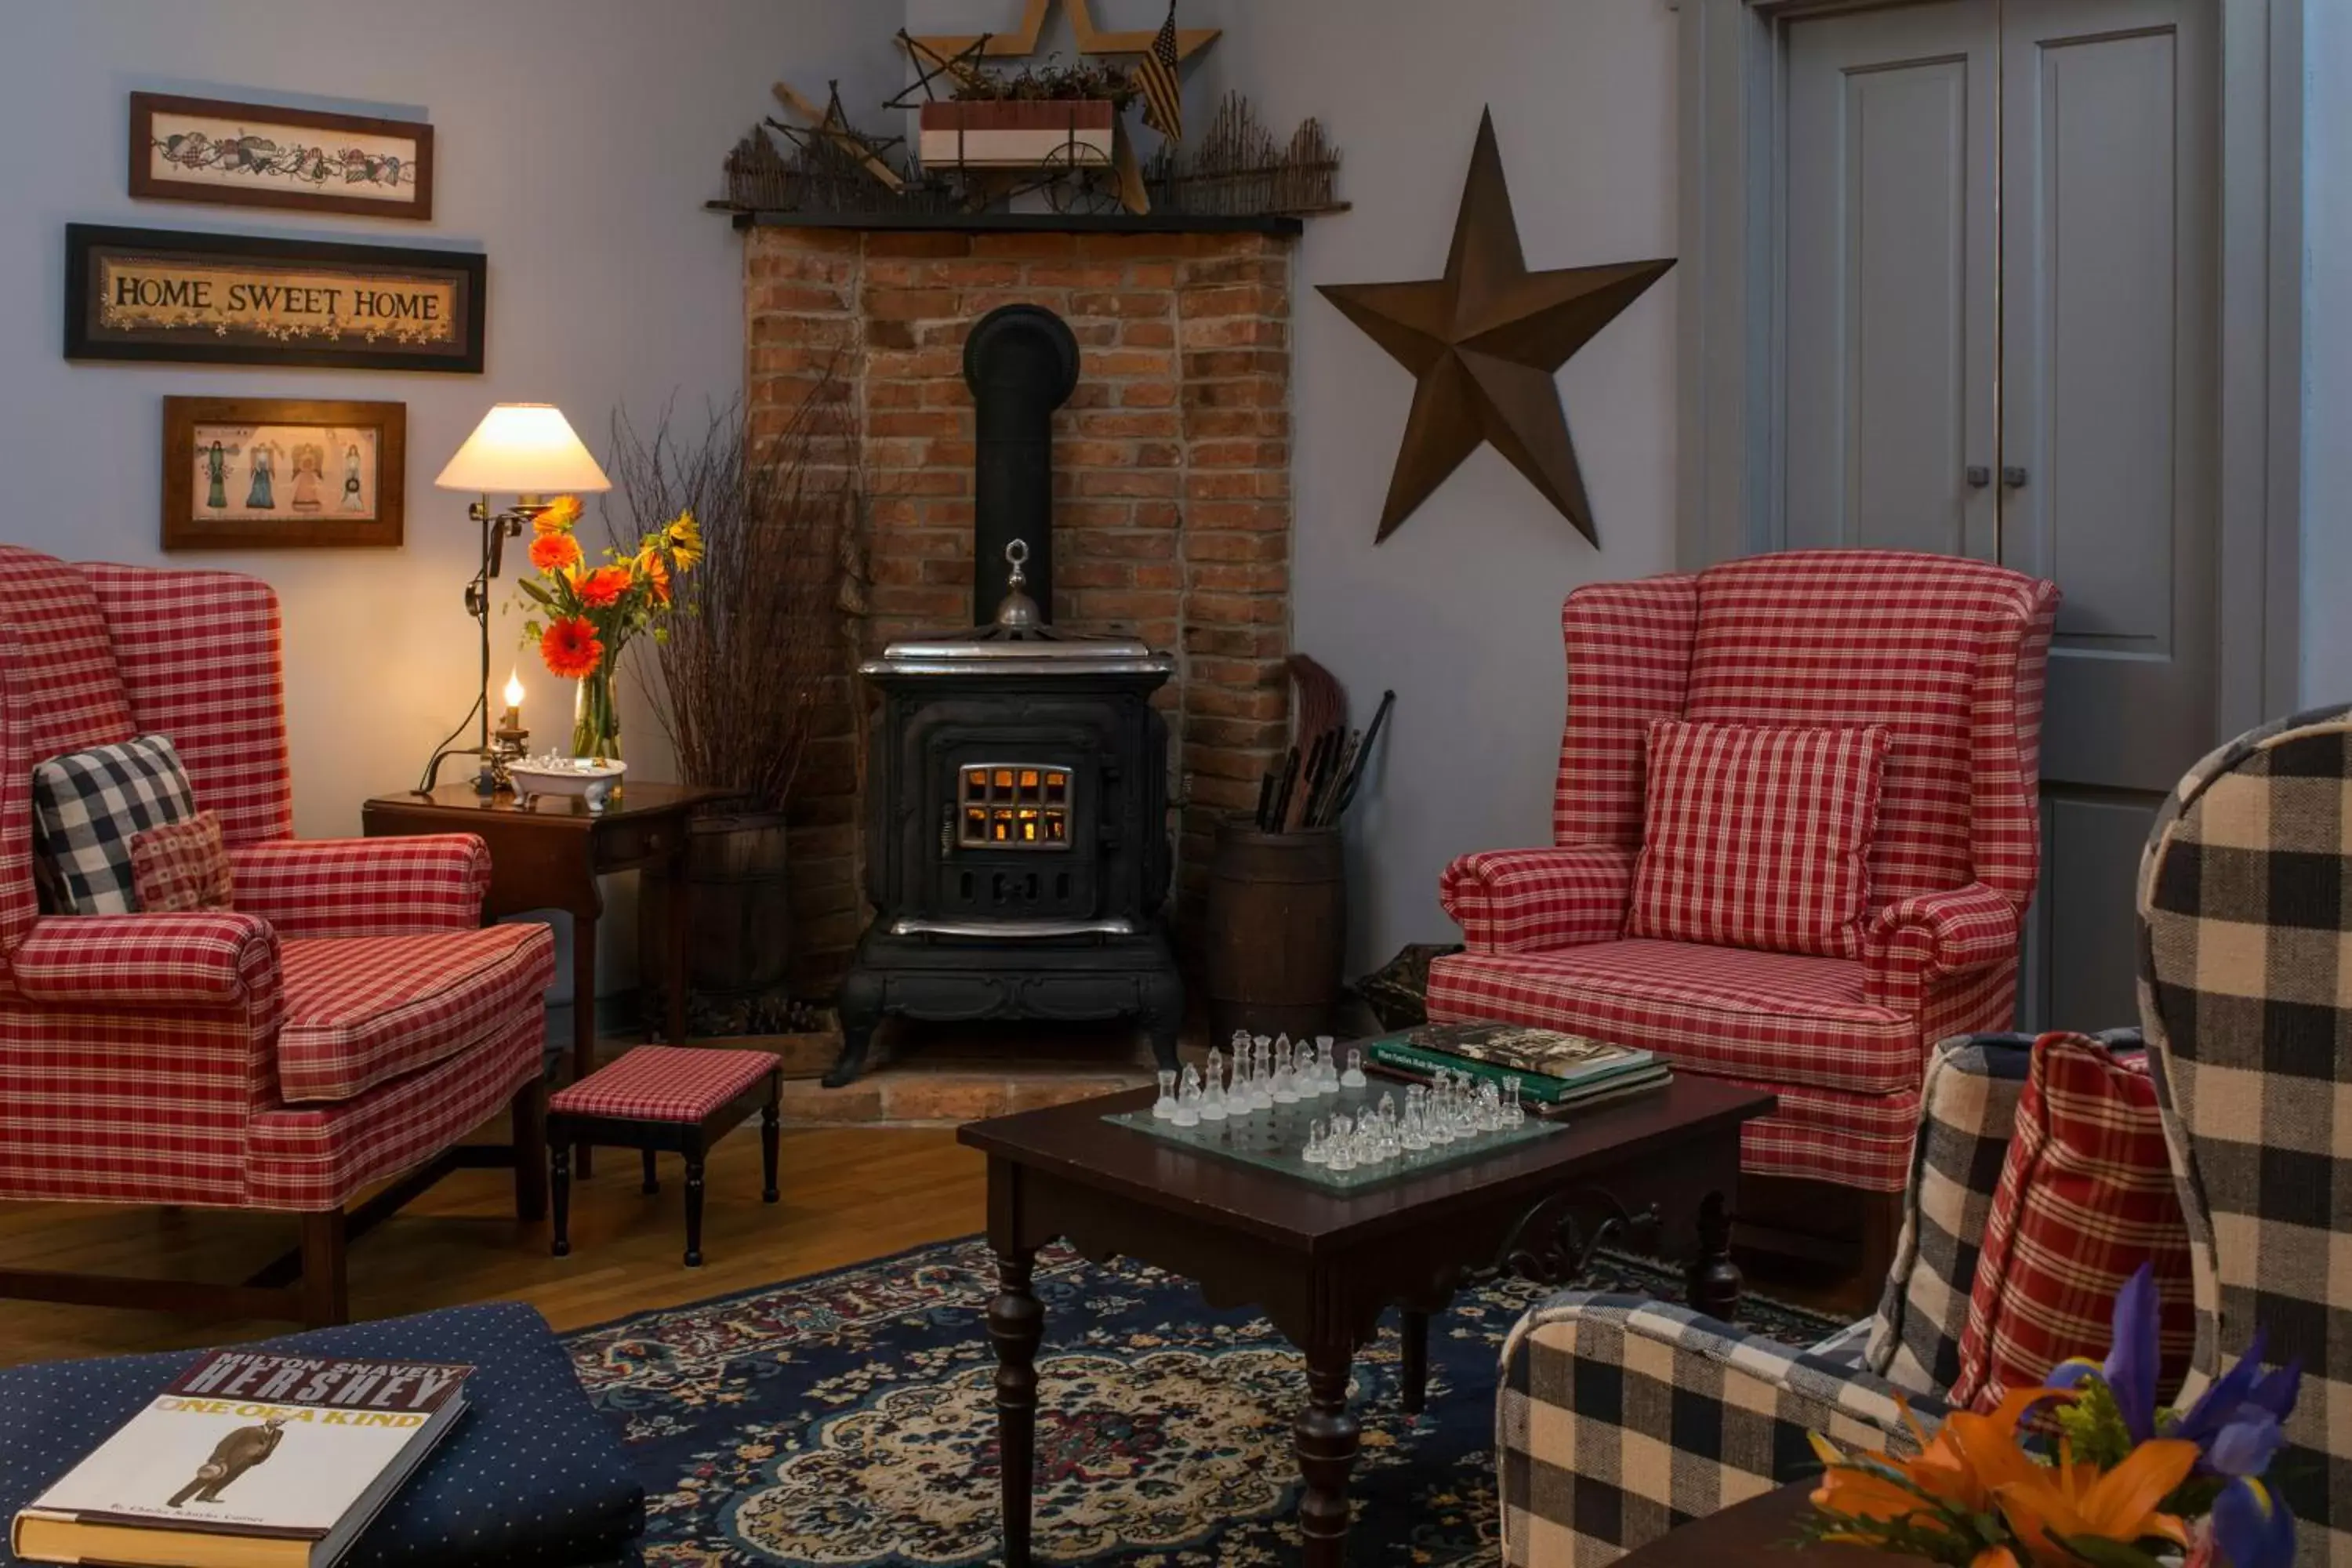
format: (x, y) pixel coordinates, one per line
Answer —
(1998, 340)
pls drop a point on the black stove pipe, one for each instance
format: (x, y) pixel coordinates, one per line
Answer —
(1020, 362)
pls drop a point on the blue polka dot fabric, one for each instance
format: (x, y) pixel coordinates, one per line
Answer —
(532, 1474)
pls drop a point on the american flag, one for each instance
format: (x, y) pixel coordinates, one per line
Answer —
(1163, 95)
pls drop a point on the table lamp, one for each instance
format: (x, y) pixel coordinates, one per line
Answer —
(526, 450)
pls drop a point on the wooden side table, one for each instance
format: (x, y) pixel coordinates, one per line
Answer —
(548, 856)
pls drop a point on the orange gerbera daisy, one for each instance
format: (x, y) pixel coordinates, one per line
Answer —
(554, 553)
(603, 588)
(559, 516)
(571, 648)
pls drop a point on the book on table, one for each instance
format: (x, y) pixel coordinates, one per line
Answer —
(1554, 1070)
(248, 1460)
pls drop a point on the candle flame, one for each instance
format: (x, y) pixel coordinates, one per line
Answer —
(514, 689)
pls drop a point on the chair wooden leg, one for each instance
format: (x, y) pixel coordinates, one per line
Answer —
(652, 1183)
(529, 1111)
(559, 1159)
(694, 1209)
(1882, 1228)
(326, 1286)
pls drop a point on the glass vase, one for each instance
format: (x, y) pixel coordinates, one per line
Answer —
(597, 717)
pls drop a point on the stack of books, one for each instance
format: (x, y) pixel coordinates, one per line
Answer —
(1555, 1071)
(248, 1460)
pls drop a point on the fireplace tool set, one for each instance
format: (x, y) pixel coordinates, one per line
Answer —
(1311, 790)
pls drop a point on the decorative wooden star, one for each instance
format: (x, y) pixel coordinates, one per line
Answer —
(942, 47)
(1485, 342)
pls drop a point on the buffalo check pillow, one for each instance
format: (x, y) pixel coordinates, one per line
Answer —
(181, 865)
(2086, 1195)
(1757, 837)
(87, 808)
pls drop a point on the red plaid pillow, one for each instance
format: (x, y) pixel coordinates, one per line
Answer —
(2087, 1197)
(1757, 837)
(180, 866)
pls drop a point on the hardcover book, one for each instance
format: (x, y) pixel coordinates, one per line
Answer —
(1553, 1068)
(248, 1459)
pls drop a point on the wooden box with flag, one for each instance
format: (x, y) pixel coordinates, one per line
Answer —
(1017, 133)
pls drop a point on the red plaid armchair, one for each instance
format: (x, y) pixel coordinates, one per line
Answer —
(1947, 654)
(344, 1027)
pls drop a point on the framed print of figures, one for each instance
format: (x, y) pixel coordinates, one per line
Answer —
(223, 299)
(254, 156)
(265, 473)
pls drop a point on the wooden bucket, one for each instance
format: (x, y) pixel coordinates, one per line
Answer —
(1277, 931)
(738, 942)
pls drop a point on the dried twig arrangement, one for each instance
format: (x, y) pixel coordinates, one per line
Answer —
(736, 683)
(1236, 169)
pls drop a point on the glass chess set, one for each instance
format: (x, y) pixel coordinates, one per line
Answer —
(1291, 1108)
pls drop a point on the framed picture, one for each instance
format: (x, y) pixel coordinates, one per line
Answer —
(264, 473)
(255, 155)
(225, 298)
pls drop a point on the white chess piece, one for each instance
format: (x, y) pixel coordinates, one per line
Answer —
(1212, 1094)
(1354, 1077)
(1187, 1100)
(1261, 1074)
(1316, 1153)
(1341, 1149)
(1326, 1067)
(1164, 1108)
(1284, 1086)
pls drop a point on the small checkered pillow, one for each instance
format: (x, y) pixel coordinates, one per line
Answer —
(1757, 837)
(2086, 1195)
(87, 808)
(181, 865)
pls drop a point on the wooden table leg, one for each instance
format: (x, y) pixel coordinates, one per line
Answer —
(528, 1111)
(1017, 1322)
(681, 921)
(584, 1014)
(559, 1162)
(1713, 1280)
(326, 1288)
(1326, 1438)
(771, 1135)
(694, 1210)
(1414, 1328)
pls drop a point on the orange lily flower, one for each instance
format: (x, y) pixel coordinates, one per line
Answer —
(1962, 1464)
(2072, 1499)
(1994, 1557)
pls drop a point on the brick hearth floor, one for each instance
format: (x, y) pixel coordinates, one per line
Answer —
(938, 1075)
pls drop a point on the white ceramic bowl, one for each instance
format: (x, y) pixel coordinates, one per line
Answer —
(575, 777)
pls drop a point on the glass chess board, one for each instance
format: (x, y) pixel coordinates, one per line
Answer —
(1275, 1139)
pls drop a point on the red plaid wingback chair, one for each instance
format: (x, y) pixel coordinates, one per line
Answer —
(345, 1024)
(1948, 655)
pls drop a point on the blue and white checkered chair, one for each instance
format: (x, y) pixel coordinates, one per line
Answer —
(1621, 1418)
(2246, 997)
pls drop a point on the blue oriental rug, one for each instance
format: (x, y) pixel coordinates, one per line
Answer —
(849, 1420)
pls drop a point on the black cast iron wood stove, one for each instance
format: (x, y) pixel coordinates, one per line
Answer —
(1016, 837)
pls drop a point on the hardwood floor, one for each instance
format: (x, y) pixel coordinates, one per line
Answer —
(848, 1195)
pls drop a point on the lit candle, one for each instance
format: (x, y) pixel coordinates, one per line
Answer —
(514, 719)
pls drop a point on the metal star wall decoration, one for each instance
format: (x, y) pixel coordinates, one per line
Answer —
(1484, 343)
(1091, 40)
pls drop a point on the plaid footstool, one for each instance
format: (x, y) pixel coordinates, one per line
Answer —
(664, 1097)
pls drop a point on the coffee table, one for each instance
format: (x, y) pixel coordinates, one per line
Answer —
(1658, 1170)
(1756, 1530)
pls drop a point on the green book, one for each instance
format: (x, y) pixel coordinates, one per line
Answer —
(1550, 1067)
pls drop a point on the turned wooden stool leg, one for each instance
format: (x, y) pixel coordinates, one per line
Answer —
(694, 1210)
(771, 1133)
(559, 1170)
(652, 1177)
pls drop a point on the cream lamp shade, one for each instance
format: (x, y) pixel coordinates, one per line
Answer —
(523, 448)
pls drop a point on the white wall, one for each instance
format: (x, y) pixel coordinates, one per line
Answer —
(2327, 354)
(577, 140)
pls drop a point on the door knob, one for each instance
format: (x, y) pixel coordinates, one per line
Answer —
(1978, 476)
(2014, 477)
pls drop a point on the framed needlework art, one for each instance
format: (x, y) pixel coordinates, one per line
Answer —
(266, 473)
(257, 155)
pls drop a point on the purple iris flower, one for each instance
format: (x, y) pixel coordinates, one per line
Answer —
(2238, 1421)
(2253, 1529)
(2129, 1371)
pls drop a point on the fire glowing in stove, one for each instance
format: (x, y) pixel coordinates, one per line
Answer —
(1014, 807)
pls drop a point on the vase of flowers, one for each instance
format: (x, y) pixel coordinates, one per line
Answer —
(583, 615)
(2087, 1470)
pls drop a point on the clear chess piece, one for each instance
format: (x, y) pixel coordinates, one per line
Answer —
(1514, 1110)
(1414, 1133)
(1213, 1093)
(1284, 1085)
(1187, 1100)
(1490, 1108)
(1354, 1077)
(1262, 1074)
(1327, 1070)
(1341, 1147)
(1315, 1153)
(1439, 1115)
(1164, 1108)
